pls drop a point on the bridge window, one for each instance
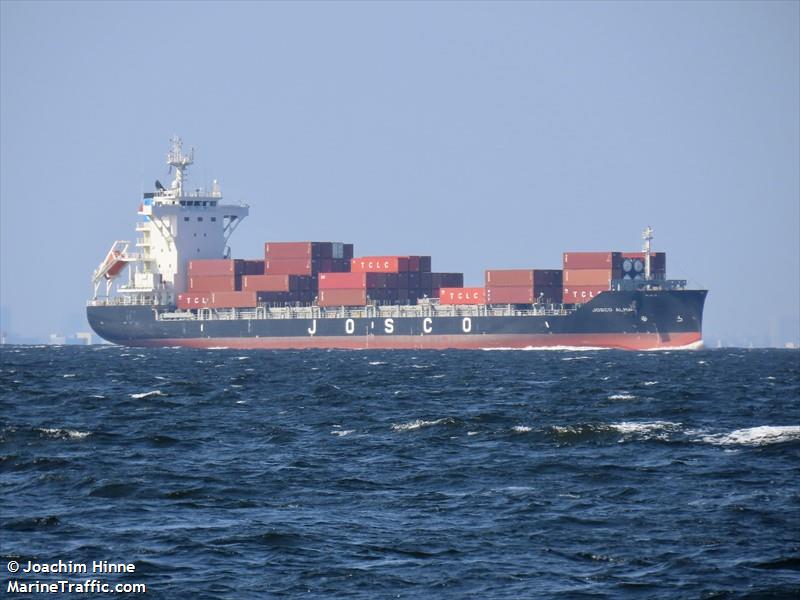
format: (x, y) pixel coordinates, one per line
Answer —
(185, 218)
(213, 219)
(199, 218)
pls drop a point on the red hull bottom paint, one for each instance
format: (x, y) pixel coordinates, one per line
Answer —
(622, 341)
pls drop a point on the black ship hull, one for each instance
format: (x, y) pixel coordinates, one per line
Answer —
(631, 320)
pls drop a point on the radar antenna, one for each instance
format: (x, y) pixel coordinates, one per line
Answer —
(647, 236)
(176, 158)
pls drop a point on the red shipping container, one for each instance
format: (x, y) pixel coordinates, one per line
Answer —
(509, 295)
(329, 281)
(233, 300)
(521, 277)
(591, 276)
(475, 295)
(379, 264)
(581, 294)
(275, 283)
(218, 283)
(592, 260)
(211, 267)
(509, 277)
(290, 266)
(278, 250)
(194, 300)
(342, 297)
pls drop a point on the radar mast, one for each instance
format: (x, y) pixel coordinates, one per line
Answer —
(180, 161)
(647, 236)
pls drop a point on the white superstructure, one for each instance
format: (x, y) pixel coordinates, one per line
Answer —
(176, 226)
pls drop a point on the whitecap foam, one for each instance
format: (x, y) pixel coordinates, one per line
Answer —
(242, 358)
(650, 383)
(630, 427)
(71, 434)
(375, 363)
(472, 433)
(342, 432)
(66, 375)
(622, 396)
(521, 429)
(418, 424)
(147, 394)
(755, 436)
(698, 345)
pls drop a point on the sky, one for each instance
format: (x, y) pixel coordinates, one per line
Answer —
(487, 135)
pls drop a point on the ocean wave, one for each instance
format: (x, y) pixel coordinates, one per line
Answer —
(628, 430)
(377, 362)
(419, 424)
(755, 436)
(342, 432)
(622, 396)
(630, 427)
(63, 434)
(521, 429)
(147, 394)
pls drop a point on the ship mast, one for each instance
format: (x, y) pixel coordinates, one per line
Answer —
(647, 236)
(176, 158)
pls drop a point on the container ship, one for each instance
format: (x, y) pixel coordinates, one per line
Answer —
(178, 285)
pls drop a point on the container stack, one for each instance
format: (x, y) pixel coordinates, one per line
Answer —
(523, 286)
(280, 289)
(221, 275)
(306, 258)
(357, 289)
(586, 274)
(384, 280)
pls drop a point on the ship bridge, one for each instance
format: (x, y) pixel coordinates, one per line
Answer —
(176, 225)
